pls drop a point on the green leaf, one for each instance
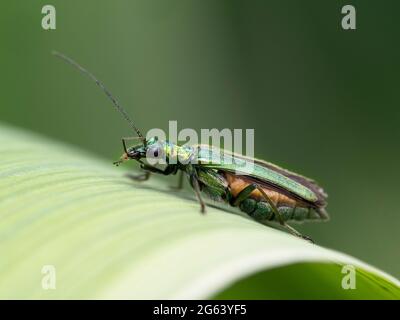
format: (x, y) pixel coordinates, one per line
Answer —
(108, 237)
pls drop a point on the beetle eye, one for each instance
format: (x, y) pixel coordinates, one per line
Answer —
(155, 152)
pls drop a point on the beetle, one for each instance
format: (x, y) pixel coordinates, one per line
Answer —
(264, 191)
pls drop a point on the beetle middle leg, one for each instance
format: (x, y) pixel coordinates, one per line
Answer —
(180, 182)
(196, 187)
(194, 182)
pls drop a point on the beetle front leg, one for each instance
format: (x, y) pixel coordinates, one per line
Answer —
(146, 175)
(180, 182)
(139, 177)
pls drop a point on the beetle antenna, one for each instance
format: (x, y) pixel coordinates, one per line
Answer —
(101, 85)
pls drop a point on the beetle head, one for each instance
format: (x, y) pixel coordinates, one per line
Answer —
(150, 148)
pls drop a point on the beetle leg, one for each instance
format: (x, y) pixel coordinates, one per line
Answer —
(274, 208)
(194, 182)
(180, 182)
(280, 218)
(243, 194)
(140, 177)
(165, 172)
(146, 175)
(196, 187)
(246, 192)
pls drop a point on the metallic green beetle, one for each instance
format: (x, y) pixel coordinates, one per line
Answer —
(263, 190)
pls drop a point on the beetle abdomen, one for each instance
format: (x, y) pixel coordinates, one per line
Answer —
(256, 206)
(262, 211)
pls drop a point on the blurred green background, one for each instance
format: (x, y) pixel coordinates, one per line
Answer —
(323, 101)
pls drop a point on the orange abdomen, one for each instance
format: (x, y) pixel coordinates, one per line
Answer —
(238, 183)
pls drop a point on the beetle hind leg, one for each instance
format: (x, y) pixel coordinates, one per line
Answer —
(280, 218)
(250, 208)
